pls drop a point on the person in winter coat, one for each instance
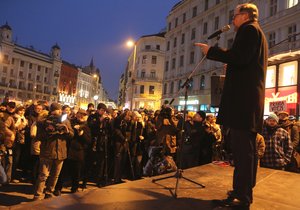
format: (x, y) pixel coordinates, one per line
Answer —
(78, 147)
(242, 102)
(54, 134)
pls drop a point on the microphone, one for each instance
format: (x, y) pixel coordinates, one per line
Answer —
(218, 32)
(171, 101)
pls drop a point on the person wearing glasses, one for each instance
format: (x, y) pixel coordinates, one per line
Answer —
(242, 102)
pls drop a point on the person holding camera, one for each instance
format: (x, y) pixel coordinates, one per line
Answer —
(78, 147)
(99, 124)
(54, 133)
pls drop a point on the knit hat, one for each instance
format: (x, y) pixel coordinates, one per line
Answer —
(202, 114)
(273, 116)
(55, 106)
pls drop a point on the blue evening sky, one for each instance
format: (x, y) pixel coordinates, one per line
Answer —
(86, 28)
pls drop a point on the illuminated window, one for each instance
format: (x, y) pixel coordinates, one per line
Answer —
(292, 3)
(271, 77)
(288, 74)
(151, 89)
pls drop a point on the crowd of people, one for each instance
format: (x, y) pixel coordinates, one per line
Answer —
(54, 145)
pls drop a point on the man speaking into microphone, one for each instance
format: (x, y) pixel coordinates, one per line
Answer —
(242, 102)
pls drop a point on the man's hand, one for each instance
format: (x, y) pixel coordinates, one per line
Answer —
(204, 47)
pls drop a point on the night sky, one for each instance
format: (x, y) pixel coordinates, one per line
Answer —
(86, 28)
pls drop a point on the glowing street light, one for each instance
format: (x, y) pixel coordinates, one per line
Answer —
(96, 97)
(130, 43)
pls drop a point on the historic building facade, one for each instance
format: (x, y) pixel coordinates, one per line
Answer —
(192, 21)
(67, 84)
(145, 73)
(25, 73)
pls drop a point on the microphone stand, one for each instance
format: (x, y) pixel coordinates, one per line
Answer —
(179, 172)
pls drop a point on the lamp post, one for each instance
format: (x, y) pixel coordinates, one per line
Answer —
(96, 97)
(1, 55)
(131, 44)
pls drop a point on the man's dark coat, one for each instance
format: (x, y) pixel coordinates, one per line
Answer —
(242, 101)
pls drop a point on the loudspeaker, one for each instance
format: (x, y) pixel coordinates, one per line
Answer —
(216, 89)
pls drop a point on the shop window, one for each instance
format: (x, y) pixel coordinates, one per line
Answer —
(271, 77)
(288, 74)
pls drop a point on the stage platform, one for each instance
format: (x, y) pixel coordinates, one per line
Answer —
(274, 190)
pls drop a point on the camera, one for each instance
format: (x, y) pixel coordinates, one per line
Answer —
(54, 125)
(187, 140)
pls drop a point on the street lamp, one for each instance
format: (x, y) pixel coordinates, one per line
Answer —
(96, 97)
(131, 44)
